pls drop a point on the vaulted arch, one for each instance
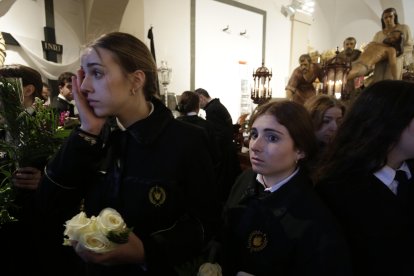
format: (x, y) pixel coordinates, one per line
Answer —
(102, 16)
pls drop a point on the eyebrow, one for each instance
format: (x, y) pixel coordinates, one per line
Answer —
(273, 130)
(331, 116)
(93, 64)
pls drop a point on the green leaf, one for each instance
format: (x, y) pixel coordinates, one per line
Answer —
(119, 237)
(31, 138)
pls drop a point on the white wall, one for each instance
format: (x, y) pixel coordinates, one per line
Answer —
(332, 22)
(171, 28)
(218, 53)
(25, 21)
(172, 34)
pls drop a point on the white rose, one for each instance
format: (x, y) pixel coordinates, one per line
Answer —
(93, 239)
(110, 220)
(76, 225)
(209, 269)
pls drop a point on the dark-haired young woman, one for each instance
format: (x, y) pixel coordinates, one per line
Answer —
(373, 145)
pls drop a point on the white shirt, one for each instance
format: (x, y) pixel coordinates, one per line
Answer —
(279, 184)
(387, 174)
(121, 127)
(60, 96)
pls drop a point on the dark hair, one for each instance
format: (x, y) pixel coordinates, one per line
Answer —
(189, 102)
(388, 11)
(305, 56)
(371, 127)
(350, 38)
(131, 54)
(203, 92)
(397, 45)
(318, 105)
(27, 74)
(64, 78)
(297, 121)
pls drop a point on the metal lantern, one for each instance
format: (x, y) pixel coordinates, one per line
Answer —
(164, 77)
(261, 91)
(336, 72)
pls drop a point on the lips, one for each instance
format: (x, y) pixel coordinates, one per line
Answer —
(92, 102)
(256, 161)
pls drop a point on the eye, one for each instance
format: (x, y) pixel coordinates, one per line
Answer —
(97, 73)
(272, 138)
(253, 134)
(326, 121)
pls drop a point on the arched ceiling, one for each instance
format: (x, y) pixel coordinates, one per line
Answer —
(103, 16)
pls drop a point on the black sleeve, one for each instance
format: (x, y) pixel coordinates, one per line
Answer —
(68, 175)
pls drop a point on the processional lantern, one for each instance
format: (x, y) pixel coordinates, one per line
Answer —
(336, 72)
(261, 91)
(164, 77)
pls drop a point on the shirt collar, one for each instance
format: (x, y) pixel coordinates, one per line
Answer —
(279, 184)
(60, 96)
(146, 131)
(121, 127)
(387, 174)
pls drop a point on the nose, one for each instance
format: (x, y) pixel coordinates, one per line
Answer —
(333, 126)
(86, 86)
(256, 144)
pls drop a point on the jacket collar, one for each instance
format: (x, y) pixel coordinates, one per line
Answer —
(147, 130)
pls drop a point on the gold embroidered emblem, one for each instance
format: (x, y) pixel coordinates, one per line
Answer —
(157, 195)
(257, 241)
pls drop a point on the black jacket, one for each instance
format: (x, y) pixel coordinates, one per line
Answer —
(218, 114)
(158, 173)
(61, 105)
(379, 230)
(287, 232)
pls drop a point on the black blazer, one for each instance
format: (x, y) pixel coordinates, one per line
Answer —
(62, 105)
(287, 232)
(379, 230)
(158, 174)
(218, 114)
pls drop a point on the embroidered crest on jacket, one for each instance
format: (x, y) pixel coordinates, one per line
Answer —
(157, 195)
(257, 241)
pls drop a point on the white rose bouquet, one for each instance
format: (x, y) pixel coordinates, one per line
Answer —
(99, 234)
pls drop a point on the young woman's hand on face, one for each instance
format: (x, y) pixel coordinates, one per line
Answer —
(89, 121)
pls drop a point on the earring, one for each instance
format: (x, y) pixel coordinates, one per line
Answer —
(133, 92)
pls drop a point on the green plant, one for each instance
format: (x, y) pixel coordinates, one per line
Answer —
(32, 137)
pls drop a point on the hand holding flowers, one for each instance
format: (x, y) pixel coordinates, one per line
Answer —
(99, 234)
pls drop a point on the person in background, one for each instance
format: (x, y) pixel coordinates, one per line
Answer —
(219, 116)
(148, 170)
(26, 178)
(389, 22)
(31, 81)
(359, 179)
(327, 113)
(65, 97)
(275, 223)
(189, 107)
(300, 86)
(46, 93)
